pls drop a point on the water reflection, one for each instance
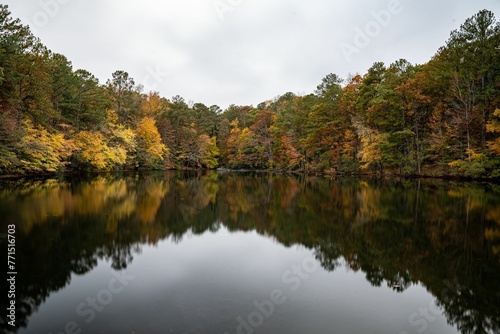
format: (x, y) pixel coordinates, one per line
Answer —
(444, 236)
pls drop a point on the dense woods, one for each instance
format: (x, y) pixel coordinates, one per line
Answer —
(440, 118)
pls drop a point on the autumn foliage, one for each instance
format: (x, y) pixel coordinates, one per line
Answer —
(439, 118)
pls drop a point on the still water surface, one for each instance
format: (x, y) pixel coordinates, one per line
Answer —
(253, 253)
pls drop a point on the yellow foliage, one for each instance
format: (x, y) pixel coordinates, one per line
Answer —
(93, 149)
(349, 137)
(121, 140)
(495, 146)
(234, 124)
(208, 151)
(473, 166)
(494, 127)
(125, 137)
(42, 151)
(150, 148)
(153, 105)
(371, 154)
(111, 117)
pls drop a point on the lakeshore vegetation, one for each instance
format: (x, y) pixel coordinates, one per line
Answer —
(441, 118)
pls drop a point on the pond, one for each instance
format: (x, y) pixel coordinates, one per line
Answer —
(208, 252)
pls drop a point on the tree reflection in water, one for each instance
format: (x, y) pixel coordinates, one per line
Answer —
(443, 235)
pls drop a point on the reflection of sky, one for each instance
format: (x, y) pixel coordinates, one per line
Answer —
(204, 283)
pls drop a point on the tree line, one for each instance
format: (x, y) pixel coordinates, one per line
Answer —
(439, 118)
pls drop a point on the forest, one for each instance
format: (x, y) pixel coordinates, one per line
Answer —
(437, 119)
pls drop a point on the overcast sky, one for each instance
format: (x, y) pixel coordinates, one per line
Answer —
(241, 51)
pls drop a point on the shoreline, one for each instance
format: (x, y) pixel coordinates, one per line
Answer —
(221, 170)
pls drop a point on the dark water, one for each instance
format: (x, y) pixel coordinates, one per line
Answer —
(252, 253)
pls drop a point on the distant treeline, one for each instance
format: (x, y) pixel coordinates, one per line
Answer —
(440, 118)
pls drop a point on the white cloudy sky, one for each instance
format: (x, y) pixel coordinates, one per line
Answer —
(258, 49)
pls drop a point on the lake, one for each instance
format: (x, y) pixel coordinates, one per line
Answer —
(208, 252)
